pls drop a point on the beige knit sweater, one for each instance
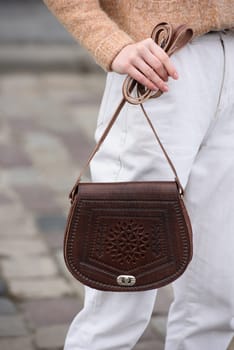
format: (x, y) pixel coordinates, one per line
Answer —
(104, 27)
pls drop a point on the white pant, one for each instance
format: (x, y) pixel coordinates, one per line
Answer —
(195, 121)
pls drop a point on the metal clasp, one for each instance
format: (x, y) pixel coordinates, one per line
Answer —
(179, 186)
(126, 280)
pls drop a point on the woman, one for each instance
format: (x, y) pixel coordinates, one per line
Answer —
(195, 121)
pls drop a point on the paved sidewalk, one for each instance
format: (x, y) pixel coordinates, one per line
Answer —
(47, 123)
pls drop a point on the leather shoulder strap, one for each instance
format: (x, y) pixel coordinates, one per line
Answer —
(171, 40)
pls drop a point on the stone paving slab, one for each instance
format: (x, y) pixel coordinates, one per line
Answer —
(13, 157)
(38, 198)
(51, 337)
(16, 225)
(22, 246)
(3, 288)
(164, 299)
(231, 345)
(49, 312)
(54, 240)
(159, 324)
(12, 326)
(26, 267)
(150, 345)
(7, 307)
(48, 223)
(16, 343)
(77, 286)
(39, 288)
(150, 340)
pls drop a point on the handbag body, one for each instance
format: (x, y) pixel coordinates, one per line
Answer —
(130, 236)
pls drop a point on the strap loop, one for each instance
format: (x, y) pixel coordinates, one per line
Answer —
(170, 40)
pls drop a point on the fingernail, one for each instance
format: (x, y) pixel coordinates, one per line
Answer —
(175, 75)
(165, 88)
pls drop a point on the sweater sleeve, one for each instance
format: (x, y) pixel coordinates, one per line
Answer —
(92, 27)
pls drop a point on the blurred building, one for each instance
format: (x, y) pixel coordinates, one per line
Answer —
(29, 21)
(32, 38)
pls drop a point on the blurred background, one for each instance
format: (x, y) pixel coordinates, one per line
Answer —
(50, 90)
(34, 40)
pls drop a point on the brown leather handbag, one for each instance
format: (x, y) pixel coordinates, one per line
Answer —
(130, 236)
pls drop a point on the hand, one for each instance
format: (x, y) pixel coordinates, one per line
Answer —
(147, 63)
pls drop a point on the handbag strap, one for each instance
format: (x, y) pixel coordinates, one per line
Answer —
(171, 40)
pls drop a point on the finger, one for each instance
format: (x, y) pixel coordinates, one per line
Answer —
(156, 65)
(150, 74)
(164, 59)
(142, 79)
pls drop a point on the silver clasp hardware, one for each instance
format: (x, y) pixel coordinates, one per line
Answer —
(126, 280)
